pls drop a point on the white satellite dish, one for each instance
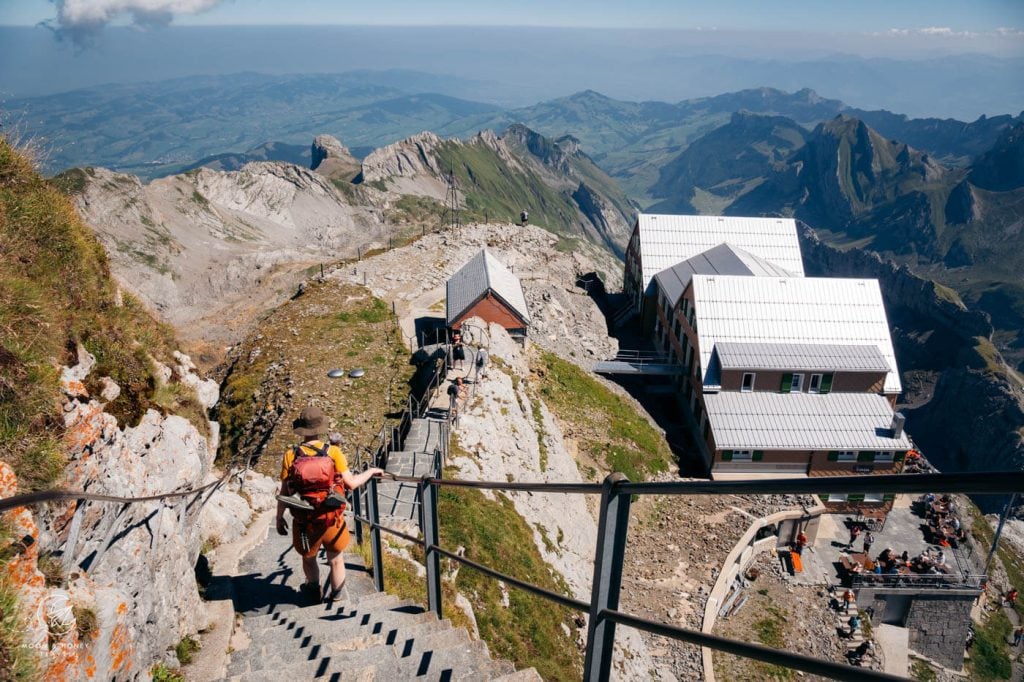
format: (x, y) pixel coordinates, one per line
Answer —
(336, 373)
(356, 373)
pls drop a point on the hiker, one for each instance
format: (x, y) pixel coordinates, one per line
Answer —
(314, 477)
(856, 656)
(854, 624)
(854, 533)
(848, 598)
(801, 542)
(1018, 635)
(458, 350)
(1011, 597)
(869, 540)
(481, 363)
(455, 393)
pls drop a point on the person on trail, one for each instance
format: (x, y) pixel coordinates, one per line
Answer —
(314, 477)
(848, 598)
(458, 350)
(1011, 597)
(1018, 635)
(854, 533)
(854, 624)
(800, 543)
(481, 363)
(456, 392)
(869, 540)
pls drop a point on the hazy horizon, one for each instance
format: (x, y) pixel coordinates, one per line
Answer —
(517, 67)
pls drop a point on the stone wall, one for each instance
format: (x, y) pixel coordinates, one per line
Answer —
(937, 621)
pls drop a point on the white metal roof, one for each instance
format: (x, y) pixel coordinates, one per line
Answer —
(668, 239)
(724, 259)
(802, 310)
(481, 273)
(802, 421)
(813, 357)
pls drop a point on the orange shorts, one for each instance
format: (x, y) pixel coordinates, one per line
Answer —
(307, 537)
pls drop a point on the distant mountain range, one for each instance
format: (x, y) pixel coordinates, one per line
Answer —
(158, 128)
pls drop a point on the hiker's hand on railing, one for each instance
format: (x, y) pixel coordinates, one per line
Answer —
(282, 526)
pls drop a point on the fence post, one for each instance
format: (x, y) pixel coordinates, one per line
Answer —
(431, 538)
(376, 554)
(357, 510)
(608, 560)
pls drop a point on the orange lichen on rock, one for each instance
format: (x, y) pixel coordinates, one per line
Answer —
(120, 645)
(85, 429)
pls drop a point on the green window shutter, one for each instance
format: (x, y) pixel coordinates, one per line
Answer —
(833, 456)
(899, 457)
(787, 383)
(865, 456)
(726, 455)
(824, 497)
(855, 497)
(757, 456)
(826, 384)
(888, 497)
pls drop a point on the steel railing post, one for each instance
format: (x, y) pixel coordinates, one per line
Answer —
(604, 591)
(431, 539)
(357, 511)
(376, 551)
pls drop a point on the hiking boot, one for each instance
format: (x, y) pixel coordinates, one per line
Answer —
(333, 595)
(310, 592)
(295, 502)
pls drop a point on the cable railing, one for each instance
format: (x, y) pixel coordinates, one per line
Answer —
(616, 494)
(189, 502)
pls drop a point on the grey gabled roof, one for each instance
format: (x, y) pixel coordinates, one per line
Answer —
(664, 240)
(482, 273)
(724, 259)
(813, 357)
(802, 421)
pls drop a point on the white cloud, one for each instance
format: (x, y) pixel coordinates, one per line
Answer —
(80, 19)
(947, 32)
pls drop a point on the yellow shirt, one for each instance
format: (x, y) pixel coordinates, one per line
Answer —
(335, 453)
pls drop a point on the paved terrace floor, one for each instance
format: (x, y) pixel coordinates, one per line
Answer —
(903, 531)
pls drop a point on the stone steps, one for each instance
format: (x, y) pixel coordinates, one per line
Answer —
(364, 636)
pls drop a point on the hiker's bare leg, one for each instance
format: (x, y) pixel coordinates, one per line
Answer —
(336, 560)
(312, 570)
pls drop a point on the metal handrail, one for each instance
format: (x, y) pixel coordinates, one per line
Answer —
(996, 483)
(613, 615)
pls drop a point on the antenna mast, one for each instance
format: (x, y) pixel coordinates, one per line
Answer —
(451, 217)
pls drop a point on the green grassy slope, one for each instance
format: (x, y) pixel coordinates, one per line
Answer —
(56, 291)
(496, 191)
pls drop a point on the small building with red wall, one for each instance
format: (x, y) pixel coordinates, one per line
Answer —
(485, 288)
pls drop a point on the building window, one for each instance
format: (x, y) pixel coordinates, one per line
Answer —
(742, 455)
(884, 456)
(874, 497)
(837, 497)
(689, 358)
(815, 384)
(797, 385)
(748, 382)
(846, 456)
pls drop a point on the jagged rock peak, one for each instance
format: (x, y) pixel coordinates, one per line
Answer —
(328, 147)
(405, 158)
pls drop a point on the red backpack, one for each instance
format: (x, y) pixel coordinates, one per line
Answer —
(312, 476)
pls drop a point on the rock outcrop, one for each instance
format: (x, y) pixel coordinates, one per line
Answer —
(330, 158)
(131, 566)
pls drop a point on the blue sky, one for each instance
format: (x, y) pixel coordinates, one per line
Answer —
(961, 17)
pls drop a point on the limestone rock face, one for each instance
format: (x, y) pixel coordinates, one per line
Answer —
(332, 159)
(131, 566)
(407, 158)
(208, 250)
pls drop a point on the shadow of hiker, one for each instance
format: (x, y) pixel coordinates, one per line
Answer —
(261, 593)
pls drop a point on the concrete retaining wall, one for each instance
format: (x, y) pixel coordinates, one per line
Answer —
(739, 558)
